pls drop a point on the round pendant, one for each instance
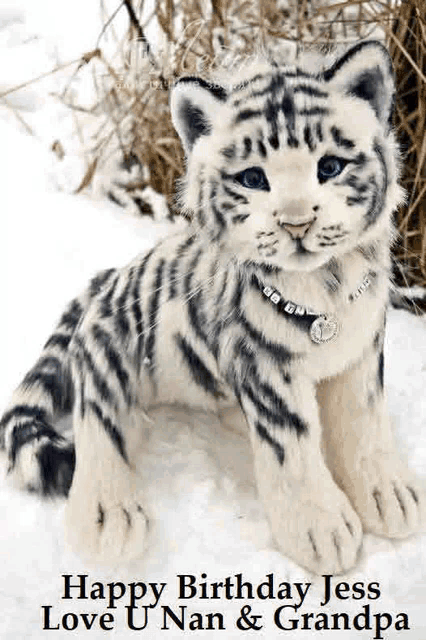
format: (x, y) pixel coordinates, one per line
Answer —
(323, 329)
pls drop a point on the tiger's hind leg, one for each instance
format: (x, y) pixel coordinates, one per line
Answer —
(105, 519)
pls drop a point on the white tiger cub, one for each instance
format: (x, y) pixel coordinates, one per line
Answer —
(273, 301)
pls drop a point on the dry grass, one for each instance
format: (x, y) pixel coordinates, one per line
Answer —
(131, 111)
(407, 44)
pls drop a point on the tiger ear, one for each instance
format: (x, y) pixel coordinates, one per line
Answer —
(365, 71)
(194, 105)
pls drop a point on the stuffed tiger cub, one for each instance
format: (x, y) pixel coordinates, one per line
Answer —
(271, 303)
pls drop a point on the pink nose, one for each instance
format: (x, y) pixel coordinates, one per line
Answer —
(297, 230)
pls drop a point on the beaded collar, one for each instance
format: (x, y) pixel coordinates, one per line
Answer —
(322, 327)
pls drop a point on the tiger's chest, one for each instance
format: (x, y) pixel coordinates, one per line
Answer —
(336, 331)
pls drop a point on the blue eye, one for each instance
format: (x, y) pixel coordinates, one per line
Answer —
(253, 178)
(330, 167)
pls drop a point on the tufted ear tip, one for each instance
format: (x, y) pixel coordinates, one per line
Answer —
(365, 72)
(194, 104)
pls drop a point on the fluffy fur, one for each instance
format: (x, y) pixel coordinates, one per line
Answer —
(292, 178)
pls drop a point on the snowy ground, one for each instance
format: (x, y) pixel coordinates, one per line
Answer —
(197, 477)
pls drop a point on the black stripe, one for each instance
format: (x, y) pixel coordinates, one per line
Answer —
(340, 140)
(227, 206)
(217, 213)
(237, 295)
(378, 339)
(137, 308)
(261, 148)
(238, 197)
(216, 90)
(222, 289)
(379, 194)
(355, 200)
(60, 340)
(97, 283)
(111, 429)
(23, 434)
(318, 131)
(276, 446)
(276, 83)
(114, 359)
(31, 412)
(310, 90)
(72, 316)
(199, 370)
(197, 317)
(200, 200)
(121, 322)
(154, 305)
(299, 73)
(99, 381)
(360, 159)
(247, 148)
(105, 308)
(369, 252)
(248, 114)
(262, 266)
(229, 151)
(191, 270)
(174, 266)
(48, 362)
(54, 383)
(271, 116)
(243, 85)
(333, 276)
(56, 468)
(308, 137)
(355, 182)
(240, 217)
(277, 412)
(278, 352)
(313, 111)
(380, 370)
(288, 109)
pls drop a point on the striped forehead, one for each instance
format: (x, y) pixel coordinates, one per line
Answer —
(287, 101)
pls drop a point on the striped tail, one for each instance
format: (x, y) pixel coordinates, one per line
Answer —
(39, 457)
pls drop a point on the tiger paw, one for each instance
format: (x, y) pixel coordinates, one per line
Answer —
(323, 541)
(104, 525)
(387, 496)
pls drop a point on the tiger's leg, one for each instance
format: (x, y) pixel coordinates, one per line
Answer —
(104, 516)
(311, 518)
(361, 452)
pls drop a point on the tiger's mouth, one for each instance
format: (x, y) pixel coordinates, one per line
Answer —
(301, 250)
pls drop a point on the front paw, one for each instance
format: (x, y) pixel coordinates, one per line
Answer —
(104, 525)
(319, 539)
(387, 496)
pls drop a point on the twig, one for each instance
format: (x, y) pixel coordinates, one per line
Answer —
(108, 22)
(142, 38)
(43, 75)
(136, 24)
(18, 116)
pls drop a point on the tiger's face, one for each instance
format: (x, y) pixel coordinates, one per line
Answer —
(289, 168)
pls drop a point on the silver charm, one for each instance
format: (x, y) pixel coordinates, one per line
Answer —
(323, 329)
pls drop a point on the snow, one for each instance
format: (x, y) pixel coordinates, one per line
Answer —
(196, 475)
